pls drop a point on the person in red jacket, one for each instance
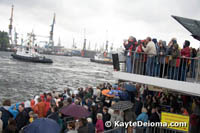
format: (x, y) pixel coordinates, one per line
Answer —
(185, 53)
(130, 46)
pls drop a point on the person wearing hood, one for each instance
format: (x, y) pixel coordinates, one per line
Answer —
(170, 45)
(156, 62)
(141, 58)
(174, 62)
(5, 113)
(185, 52)
(162, 51)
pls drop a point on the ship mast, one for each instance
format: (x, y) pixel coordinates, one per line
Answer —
(10, 26)
(84, 43)
(59, 42)
(51, 41)
(73, 44)
(106, 40)
(15, 37)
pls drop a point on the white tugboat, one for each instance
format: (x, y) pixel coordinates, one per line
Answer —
(29, 53)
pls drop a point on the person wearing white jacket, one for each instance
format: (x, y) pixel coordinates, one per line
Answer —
(150, 50)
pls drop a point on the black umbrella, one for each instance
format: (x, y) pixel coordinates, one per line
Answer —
(122, 105)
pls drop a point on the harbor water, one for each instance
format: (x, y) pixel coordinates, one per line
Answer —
(20, 81)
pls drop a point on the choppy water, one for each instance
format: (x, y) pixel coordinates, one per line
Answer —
(22, 80)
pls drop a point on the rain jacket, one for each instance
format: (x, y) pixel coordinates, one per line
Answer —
(142, 117)
(5, 115)
(99, 126)
(150, 49)
(14, 109)
(40, 109)
(185, 52)
(175, 60)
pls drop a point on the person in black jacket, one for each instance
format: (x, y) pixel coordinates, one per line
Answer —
(83, 128)
(54, 114)
(6, 115)
(90, 125)
(22, 117)
(154, 117)
(12, 126)
(106, 117)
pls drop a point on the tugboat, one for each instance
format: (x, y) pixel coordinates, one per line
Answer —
(100, 58)
(29, 54)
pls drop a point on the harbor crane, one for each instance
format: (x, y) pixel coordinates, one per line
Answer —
(10, 27)
(51, 41)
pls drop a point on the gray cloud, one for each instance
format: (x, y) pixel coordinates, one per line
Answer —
(95, 15)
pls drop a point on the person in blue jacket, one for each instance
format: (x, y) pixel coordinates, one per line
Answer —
(143, 116)
(14, 109)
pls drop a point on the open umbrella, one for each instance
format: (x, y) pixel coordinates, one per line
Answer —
(122, 105)
(42, 125)
(75, 111)
(114, 92)
(130, 87)
(106, 93)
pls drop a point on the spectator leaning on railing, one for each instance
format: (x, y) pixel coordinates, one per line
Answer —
(185, 52)
(130, 46)
(174, 62)
(150, 50)
(162, 51)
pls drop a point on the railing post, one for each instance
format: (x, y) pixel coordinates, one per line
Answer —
(197, 72)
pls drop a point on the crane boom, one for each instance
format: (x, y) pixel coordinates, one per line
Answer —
(51, 42)
(10, 25)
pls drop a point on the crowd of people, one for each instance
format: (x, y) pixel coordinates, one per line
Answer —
(148, 106)
(157, 58)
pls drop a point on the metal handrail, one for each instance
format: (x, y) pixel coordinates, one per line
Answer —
(168, 67)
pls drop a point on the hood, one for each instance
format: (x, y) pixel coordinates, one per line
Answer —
(17, 105)
(175, 46)
(164, 43)
(186, 44)
(155, 40)
(174, 42)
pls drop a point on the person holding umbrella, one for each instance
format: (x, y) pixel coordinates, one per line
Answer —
(83, 128)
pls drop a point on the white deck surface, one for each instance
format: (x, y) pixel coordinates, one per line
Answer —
(178, 86)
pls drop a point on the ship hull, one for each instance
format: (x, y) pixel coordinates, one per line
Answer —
(101, 61)
(32, 59)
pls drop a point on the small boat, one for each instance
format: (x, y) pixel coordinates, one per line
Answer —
(98, 58)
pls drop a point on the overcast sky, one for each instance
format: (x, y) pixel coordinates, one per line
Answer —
(121, 18)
